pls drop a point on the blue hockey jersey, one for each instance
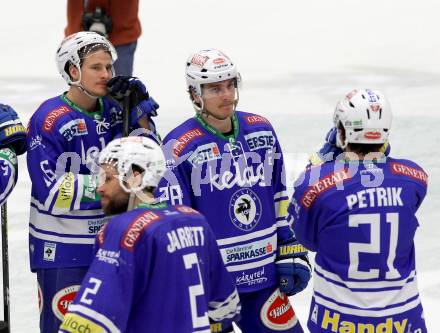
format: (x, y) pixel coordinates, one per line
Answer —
(63, 142)
(238, 183)
(360, 219)
(157, 269)
(8, 173)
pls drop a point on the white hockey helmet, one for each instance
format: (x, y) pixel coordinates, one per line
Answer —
(365, 115)
(135, 150)
(209, 66)
(67, 53)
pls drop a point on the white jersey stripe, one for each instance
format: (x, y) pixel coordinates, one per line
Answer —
(67, 226)
(85, 213)
(243, 238)
(53, 238)
(367, 313)
(364, 284)
(95, 315)
(369, 298)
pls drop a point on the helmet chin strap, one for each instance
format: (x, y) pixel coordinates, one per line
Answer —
(131, 201)
(78, 84)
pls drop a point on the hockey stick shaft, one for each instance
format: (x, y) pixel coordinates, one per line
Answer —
(125, 116)
(5, 324)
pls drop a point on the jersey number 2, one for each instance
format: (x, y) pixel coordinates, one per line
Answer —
(373, 246)
(191, 260)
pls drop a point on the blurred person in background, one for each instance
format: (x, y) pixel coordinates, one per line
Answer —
(117, 20)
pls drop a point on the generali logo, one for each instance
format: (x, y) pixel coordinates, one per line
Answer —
(323, 185)
(53, 116)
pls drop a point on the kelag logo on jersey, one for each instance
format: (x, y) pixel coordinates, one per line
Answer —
(73, 128)
(205, 153)
(245, 209)
(260, 140)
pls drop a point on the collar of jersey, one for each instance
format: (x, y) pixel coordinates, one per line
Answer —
(97, 115)
(375, 161)
(217, 133)
(156, 205)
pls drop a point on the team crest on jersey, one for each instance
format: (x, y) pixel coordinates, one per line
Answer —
(75, 127)
(53, 116)
(62, 299)
(277, 312)
(245, 209)
(205, 153)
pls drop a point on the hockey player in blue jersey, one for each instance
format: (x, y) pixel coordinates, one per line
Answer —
(157, 267)
(228, 165)
(12, 143)
(358, 213)
(65, 134)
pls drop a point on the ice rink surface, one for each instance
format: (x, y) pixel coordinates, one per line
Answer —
(296, 58)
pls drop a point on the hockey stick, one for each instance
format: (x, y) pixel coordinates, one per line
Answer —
(4, 325)
(125, 115)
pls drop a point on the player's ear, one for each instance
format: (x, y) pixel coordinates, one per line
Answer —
(195, 97)
(136, 180)
(74, 72)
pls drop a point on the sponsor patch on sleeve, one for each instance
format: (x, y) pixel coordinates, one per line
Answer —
(75, 127)
(185, 139)
(205, 153)
(66, 192)
(74, 323)
(323, 185)
(256, 120)
(134, 231)
(52, 117)
(186, 210)
(414, 173)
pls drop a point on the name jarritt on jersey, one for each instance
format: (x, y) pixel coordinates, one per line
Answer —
(184, 237)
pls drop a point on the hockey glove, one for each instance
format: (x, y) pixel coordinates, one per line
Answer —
(293, 267)
(329, 151)
(141, 104)
(12, 131)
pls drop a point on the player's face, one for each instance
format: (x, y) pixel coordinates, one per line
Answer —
(219, 98)
(114, 200)
(96, 71)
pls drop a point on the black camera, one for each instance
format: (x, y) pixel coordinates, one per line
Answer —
(97, 21)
